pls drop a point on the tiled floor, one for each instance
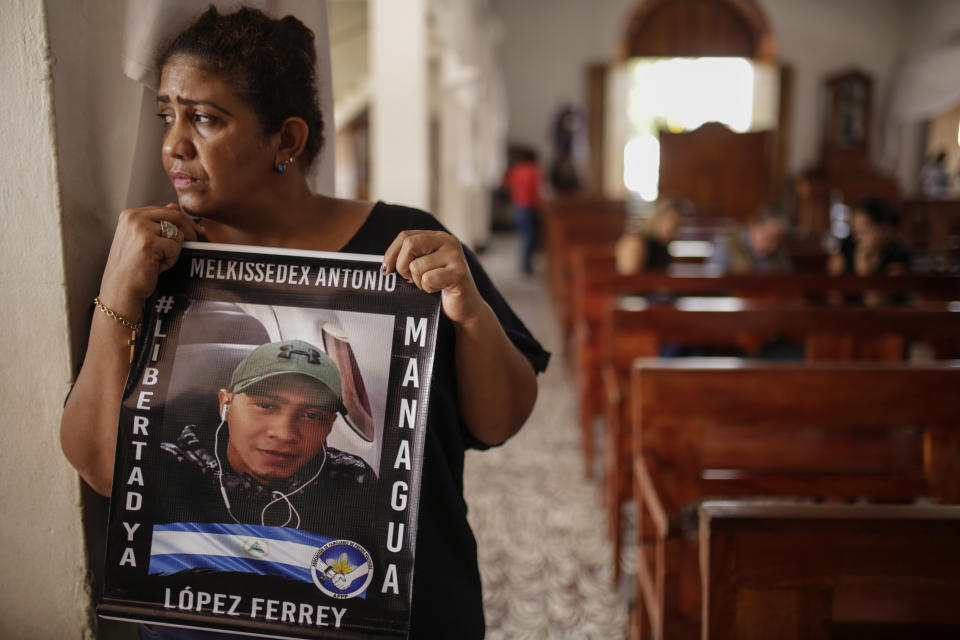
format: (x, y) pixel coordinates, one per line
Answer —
(540, 525)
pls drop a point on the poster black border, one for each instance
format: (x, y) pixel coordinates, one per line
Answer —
(157, 346)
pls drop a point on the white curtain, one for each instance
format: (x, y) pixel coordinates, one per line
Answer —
(149, 24)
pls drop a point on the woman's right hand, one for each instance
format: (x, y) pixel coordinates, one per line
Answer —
(139, 254)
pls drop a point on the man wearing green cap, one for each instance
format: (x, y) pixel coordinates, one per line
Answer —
(271, 465)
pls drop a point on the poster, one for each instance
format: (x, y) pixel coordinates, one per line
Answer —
(270, 446)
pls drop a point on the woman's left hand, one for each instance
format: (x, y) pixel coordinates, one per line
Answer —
(434, 261)
(496, 385)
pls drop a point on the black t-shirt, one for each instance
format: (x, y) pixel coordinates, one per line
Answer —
(447, 601)
(893, 253)
(658, 256)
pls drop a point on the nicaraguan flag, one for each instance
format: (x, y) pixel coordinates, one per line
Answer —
(278, 551)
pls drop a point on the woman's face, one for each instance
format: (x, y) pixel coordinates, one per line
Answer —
(866, 232)
(665, 226)
(278, 427)
(213, 147)
(766, 236)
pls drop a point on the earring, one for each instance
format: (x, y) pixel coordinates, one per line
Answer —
(282, 167)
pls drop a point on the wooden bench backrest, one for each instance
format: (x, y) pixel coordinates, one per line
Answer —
(717, 169)
(563, 232)
(797, 571)
(594, 285)
(830, 333)
(851, 430)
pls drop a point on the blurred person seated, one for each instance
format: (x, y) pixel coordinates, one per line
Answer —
(758, 247)
(873, 246)
(644, 246)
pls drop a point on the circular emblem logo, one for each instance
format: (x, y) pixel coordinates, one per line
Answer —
(256, 548)
(342, 569)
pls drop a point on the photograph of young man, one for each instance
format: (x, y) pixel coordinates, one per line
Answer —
(267, 462)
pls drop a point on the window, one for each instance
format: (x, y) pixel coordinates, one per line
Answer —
(681, 94)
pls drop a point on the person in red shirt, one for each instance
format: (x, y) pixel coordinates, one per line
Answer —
(523, 182)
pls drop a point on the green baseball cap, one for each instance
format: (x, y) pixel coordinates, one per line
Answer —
(286, 357)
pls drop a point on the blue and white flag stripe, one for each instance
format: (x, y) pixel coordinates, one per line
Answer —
(255, 531)
(234, 547)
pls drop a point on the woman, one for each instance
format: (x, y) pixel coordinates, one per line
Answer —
(872, 248)
(237, 99)
(647, 249)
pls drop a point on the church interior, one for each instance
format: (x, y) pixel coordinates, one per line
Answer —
(735, 224)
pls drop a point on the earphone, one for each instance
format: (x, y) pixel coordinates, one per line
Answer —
(216, 454)
(276, 495)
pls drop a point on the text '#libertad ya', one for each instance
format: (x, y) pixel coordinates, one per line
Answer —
(134, 484)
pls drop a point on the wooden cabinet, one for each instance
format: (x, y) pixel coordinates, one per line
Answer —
(844, 167)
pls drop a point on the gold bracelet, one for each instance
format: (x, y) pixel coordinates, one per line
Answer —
(133, 326)
(116, 316)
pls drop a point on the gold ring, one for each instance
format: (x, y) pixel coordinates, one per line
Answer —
(169, 230)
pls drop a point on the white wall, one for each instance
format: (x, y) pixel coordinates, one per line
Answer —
(929, 23)
(96, 108)
(927, 26)
(546, 48)
(349, 55)
(548, 44)
(820, 37)
(41, 541)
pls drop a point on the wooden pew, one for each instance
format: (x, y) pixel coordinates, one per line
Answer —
(570, 221)
(594, 286)
(932, 228)
(594, 281)
(596, 258)
(588, 264)
(730, 428)
(584, 241)
(570, 238)
(827, 334)
(807, 571)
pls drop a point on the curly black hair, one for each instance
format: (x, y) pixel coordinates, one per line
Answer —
(271, 62)
(880, 212)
